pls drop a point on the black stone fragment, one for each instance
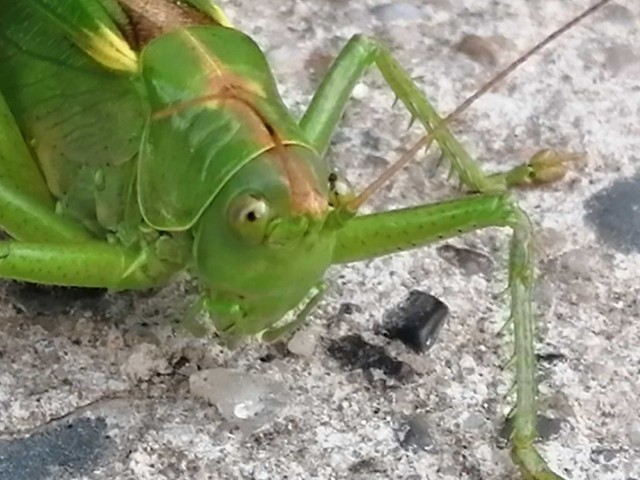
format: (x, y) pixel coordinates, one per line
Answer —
(348, 308)
(416, 322)
(551, 357)
(416, 435)
(614, 212)
(354, 353)
(72, 449)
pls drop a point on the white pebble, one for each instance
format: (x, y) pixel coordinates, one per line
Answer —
(360, 92)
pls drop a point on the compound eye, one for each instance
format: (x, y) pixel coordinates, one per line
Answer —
(340, 190)
(249, 216)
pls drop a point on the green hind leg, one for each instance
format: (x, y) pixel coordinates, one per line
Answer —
(380, 234)
(325, 110)
(383, 233)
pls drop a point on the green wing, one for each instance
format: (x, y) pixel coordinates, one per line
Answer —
(75, 113)
(71, 110)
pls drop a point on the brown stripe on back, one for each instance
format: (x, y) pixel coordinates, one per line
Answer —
(152, 18)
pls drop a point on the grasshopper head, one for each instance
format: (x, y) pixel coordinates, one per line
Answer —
(261, 245)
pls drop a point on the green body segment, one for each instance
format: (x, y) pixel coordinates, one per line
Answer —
(223, 93)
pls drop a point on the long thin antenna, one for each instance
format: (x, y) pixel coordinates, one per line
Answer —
(428, 139)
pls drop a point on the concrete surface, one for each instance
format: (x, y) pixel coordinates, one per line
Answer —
(98, 387)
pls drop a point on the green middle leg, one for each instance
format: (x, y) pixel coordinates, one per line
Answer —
(329, 101)
(361, 237)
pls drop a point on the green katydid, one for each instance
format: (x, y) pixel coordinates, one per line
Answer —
(138, 141)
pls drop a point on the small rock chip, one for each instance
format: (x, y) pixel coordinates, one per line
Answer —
(416, 435)
(348, 308)
(360, 92)
(416, 322)
(303, 342)
(479, 49)
(247, 400)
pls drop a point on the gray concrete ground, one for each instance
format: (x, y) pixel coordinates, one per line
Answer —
(105, 388)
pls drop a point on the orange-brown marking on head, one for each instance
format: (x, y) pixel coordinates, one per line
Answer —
(303, 191)
(150, 19)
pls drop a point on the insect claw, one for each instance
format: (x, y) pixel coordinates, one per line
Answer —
(395, 101)
(411, 122)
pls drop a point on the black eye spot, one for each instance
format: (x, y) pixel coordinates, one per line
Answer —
(333, 177)
(251, 216)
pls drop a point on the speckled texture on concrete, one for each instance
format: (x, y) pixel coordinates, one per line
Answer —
(114, 366)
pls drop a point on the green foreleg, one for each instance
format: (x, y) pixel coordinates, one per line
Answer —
(88, 264)
(521, 280)
(329, 102)
(383, 233)
(327, 106)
